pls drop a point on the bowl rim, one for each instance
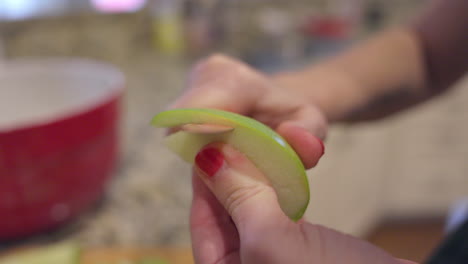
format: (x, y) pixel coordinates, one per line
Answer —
(116, 76)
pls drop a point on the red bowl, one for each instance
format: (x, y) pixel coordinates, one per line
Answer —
(58, 140)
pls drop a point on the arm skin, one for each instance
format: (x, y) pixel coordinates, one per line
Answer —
(391, 71)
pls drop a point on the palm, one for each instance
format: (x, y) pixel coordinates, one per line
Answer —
(214, 235)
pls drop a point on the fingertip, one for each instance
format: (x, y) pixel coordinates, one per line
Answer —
(309, 147)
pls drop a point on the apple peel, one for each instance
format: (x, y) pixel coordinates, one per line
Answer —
(270, 153)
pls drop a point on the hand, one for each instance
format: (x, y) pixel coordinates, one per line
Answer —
(224, 83)
(236, 219)
(235, 215)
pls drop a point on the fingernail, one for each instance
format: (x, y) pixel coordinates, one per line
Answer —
(209, 160)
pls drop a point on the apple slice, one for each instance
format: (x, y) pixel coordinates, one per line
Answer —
(263, 146)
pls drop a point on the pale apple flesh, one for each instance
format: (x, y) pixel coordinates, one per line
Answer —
(206, 128)
(263, 146)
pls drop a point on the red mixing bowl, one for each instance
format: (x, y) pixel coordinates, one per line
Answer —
(58, 140)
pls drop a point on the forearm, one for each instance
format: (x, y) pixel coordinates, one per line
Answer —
(391, 71)
(367, 79)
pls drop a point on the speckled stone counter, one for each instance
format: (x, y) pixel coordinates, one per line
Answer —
(148, 200)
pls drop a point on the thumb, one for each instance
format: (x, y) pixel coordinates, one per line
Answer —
(240, 187)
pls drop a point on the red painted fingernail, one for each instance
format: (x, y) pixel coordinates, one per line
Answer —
(209, 160)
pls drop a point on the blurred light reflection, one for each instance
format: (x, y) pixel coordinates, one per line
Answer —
(117, 6)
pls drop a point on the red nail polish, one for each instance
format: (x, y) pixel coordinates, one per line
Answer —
(209, 160)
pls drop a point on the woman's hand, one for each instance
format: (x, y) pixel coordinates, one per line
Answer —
(235, 215)
(224, 83)
(236, 219)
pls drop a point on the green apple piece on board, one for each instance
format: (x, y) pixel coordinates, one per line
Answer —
(270, 153)
(62, 253)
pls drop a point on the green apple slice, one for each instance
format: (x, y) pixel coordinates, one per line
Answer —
(263, 146)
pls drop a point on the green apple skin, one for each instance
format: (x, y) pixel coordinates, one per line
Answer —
(263, 146)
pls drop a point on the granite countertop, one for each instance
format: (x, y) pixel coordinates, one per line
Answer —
(148, 201)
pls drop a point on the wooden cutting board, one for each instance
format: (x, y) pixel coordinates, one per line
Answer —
(117, 255)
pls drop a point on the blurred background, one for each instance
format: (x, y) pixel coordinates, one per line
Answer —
(404, 172)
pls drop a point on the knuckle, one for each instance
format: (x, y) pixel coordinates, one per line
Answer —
(218, 66)
(217, 61)
(227, 67)
(240, 195)
(218, 58)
